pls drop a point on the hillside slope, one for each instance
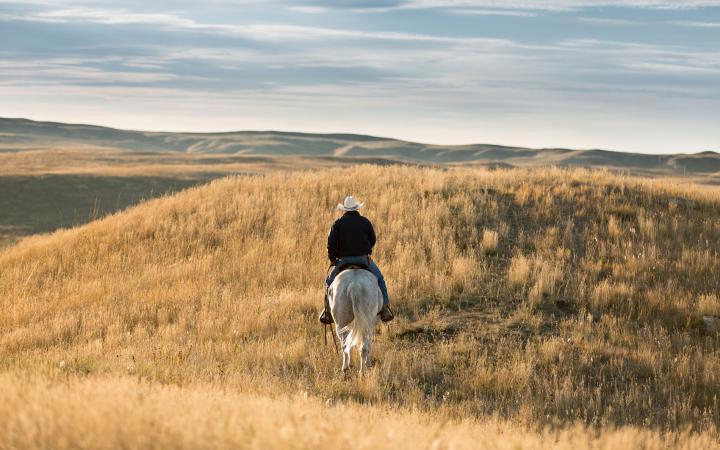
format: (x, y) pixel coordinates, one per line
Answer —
(43, 190)
(23, 135)
(542, 297)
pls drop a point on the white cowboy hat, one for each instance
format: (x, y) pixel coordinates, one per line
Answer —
(350, 204)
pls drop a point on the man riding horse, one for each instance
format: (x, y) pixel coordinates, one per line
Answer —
(350, 242)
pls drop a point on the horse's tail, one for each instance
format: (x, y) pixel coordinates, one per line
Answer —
(361, 325)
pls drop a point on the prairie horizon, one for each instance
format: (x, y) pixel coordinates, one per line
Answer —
(27, 135)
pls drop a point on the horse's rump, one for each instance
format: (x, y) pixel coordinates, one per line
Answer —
(362, 319)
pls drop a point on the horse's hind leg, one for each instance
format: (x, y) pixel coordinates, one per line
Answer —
(365, 354)
(342, 334)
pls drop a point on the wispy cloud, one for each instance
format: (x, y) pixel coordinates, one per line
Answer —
(695, 24)
(309, 9)
(318, 6)
(267, 31)
(610, 21)
(493, 12)
(561, 4)
(673, 68)
(65, 71)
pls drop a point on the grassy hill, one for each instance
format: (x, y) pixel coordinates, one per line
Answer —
(55, 175)
(43, 190)
(531, 298)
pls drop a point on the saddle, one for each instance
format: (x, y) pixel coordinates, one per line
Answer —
(353, 266)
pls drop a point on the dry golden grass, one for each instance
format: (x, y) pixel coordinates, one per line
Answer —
(589, 310)
(110, 413)
(519, 271)
(42, 190)
(489, 242)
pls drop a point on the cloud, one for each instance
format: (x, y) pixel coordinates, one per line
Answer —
(695, 24)
(539, 5)
(667, 67)
(609, 21)
(560, 4)
(493, 12)
(466, 7)
(110, 17)
(268, 31)
(309, 9)
(64, 71)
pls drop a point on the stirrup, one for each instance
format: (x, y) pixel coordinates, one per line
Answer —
(386, 314)
(326, 317)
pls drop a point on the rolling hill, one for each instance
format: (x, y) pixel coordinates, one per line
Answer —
(22, 134)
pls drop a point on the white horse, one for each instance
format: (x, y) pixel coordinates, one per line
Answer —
(355, 301)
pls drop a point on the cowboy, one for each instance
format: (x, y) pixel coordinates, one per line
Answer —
(350, 241)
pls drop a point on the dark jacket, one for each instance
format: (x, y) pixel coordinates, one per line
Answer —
(350, 235)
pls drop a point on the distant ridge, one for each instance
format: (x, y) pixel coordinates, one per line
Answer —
(18, 134)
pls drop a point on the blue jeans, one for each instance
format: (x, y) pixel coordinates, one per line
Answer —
(360, 260)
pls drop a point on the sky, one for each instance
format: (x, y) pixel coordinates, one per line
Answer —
(628, 75)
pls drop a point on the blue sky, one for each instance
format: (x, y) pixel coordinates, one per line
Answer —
(632, 75)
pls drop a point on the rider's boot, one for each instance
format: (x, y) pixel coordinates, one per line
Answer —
(386, 314)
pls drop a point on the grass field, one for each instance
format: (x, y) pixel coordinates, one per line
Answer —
(535, 307)
(109, 413)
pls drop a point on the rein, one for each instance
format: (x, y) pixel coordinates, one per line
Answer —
(325, 325)
(337, 351)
